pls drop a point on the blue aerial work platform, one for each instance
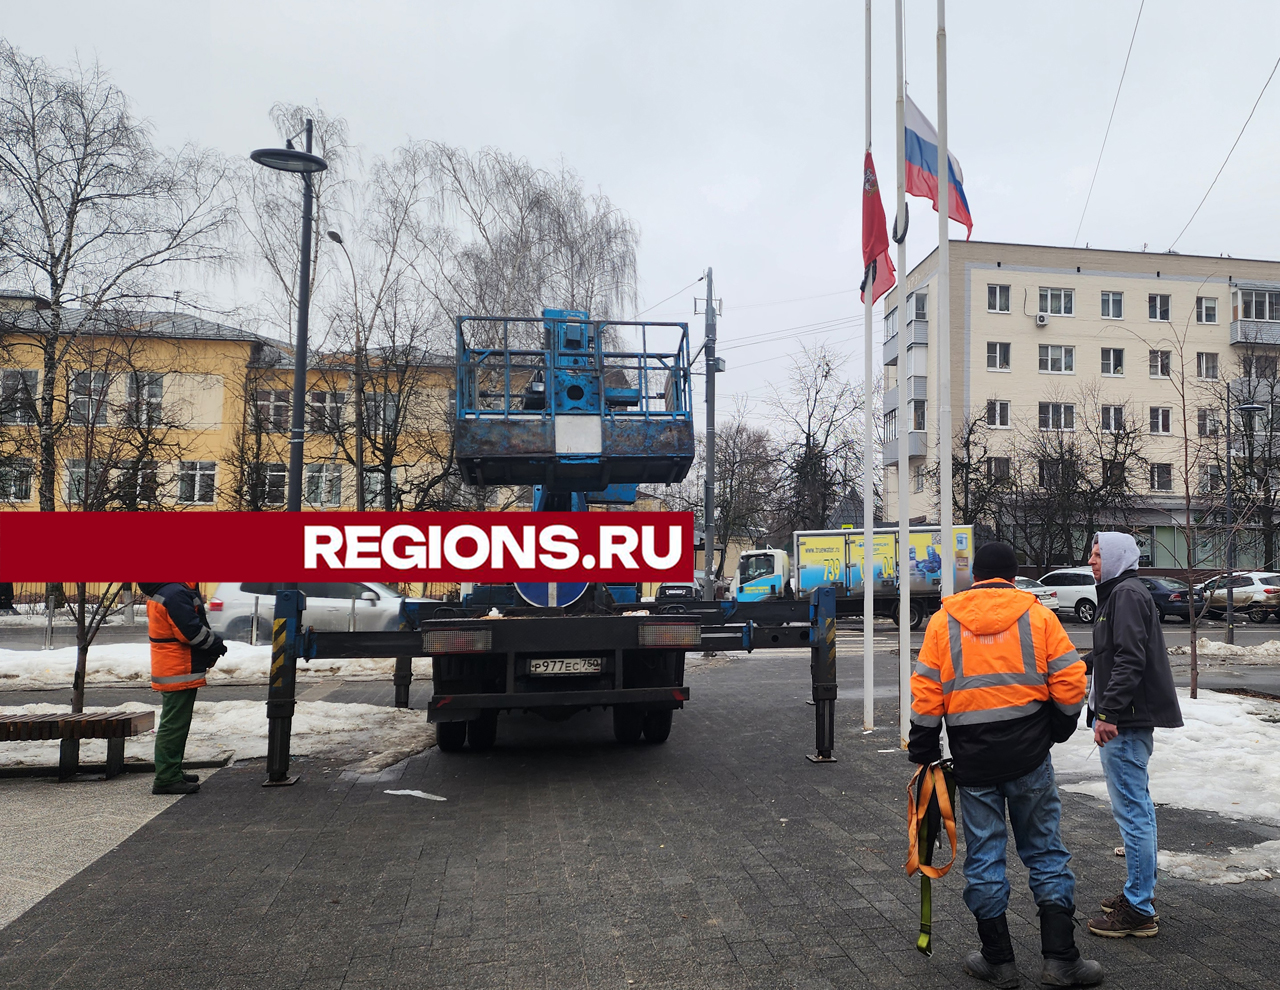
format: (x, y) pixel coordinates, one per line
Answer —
(579, 413)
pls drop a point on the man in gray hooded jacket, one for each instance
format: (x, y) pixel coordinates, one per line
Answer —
(1132, 692)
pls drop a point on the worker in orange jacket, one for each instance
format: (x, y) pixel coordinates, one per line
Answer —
(998, 670)
(183, 648)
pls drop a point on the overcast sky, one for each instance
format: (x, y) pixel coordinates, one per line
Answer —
(733, 131)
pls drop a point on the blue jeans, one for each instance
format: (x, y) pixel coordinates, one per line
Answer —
(1124, 760)
(1035, 812)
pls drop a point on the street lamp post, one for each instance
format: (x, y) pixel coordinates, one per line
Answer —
(359, 374)
(287, 620)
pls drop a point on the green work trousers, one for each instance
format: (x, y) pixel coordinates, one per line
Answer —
(171, 734)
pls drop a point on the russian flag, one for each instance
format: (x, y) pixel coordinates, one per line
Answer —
(922, 167)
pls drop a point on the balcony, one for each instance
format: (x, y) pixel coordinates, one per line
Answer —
(917, 387)
(1255, 332)
(917, 336)
(890, 400)
(915, 447)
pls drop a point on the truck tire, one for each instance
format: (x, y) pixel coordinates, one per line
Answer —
(628, 724)
(657, 725)
(450, 736)
(917, 613)
(482, 732)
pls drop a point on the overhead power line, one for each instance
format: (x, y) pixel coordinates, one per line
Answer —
(1229, 153)
(670, 297)
(1107, 133)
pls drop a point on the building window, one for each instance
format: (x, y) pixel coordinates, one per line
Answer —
(1158, 363)
(1162, 477)
(1206, 364)
(1259, 366)
(273, 410)
(1057, 359)
(1113, 305)
(1057, 416)
(324, 484)
(1258, 305)
(18, 397)
(921, 309)
(1207, 422)
(1113, 361)
(85, 484)
(997, 355)
(375, 486)
(1210, 479)
(1057, 302)
(87, 398)
(325, 411)
(15, 479)
(381, 413)
(139, 482)
(998, 413)
(997, 469)
(268, 483)
(891, 324)
(997, 299)
(1113, 473)
(145, 399)
(1206, 309)
(1161, 419)
(918, 474)
(1158, 307)
(1051, 472)
(195, 481)
(891, 425)
(917, 415)
(1112, 419)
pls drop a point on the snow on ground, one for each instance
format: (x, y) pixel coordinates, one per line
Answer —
(129, 664)
(1260, 654)
(1223, 759)
(373, 736)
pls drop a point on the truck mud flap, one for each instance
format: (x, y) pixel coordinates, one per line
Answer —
(442, 706)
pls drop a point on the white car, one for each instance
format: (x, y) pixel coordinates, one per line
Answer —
(1047, 596)
(329, 607)
(1077, 591)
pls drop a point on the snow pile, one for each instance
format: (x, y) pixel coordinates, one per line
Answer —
(129, 664)
(372, 735)
(1260, 862)
(1224, 759)
(1261, 654)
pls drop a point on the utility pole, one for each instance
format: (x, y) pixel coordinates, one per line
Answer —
(945, 494)
(868, 503)
(709, 518)
(904, 435)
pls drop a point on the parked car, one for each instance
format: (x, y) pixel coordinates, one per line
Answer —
(1076, 591)
(329, 607)
(1047, 596)
(1255, 593)
(1173, 597)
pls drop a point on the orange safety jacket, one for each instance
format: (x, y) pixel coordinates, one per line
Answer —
(180, 636)
(998, 668)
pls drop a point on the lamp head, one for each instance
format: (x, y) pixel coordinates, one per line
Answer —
(335, 237)
(1251, 407)
(289, 160)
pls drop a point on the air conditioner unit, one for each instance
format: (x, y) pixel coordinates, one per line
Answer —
(1042, 320)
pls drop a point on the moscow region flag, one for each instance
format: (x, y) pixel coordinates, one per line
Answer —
(877, 268)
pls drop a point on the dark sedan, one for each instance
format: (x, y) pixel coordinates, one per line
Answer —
(1173, 597)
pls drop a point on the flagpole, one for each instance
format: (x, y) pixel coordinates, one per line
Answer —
(868, 503)
(945, 494)
(904, 436)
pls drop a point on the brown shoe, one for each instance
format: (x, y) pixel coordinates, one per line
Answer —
(1109, 904)
(1124, 920)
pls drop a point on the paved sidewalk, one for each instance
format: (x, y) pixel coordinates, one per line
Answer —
(722, 859)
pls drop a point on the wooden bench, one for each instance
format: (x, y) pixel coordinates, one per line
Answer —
(114, 727)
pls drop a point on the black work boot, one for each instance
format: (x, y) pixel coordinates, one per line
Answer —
(1063, 966)
(994, 961)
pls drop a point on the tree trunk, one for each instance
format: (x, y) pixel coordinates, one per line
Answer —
(82, 650)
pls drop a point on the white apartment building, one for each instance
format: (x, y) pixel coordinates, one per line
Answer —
(1048, 339)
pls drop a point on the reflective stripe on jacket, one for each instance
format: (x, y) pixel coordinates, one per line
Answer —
(994, 653)
(178, 661)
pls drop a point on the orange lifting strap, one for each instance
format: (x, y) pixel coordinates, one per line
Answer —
(933, 783)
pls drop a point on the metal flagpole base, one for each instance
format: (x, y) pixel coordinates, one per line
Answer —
(286, 782)
(819, 758)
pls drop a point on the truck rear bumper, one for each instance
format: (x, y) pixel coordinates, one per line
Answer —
(454, 707)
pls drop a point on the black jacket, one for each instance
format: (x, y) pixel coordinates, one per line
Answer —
(1132, 683)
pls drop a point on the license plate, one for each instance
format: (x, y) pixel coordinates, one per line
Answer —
(577, 665)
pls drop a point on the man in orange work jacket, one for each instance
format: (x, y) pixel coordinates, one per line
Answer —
(998, 669)
(183, 648)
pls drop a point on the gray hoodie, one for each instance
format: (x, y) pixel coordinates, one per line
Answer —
(1132, 682)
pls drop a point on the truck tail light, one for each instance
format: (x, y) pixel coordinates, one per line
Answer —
(673, 634)
(457, 641)
(214, 605)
